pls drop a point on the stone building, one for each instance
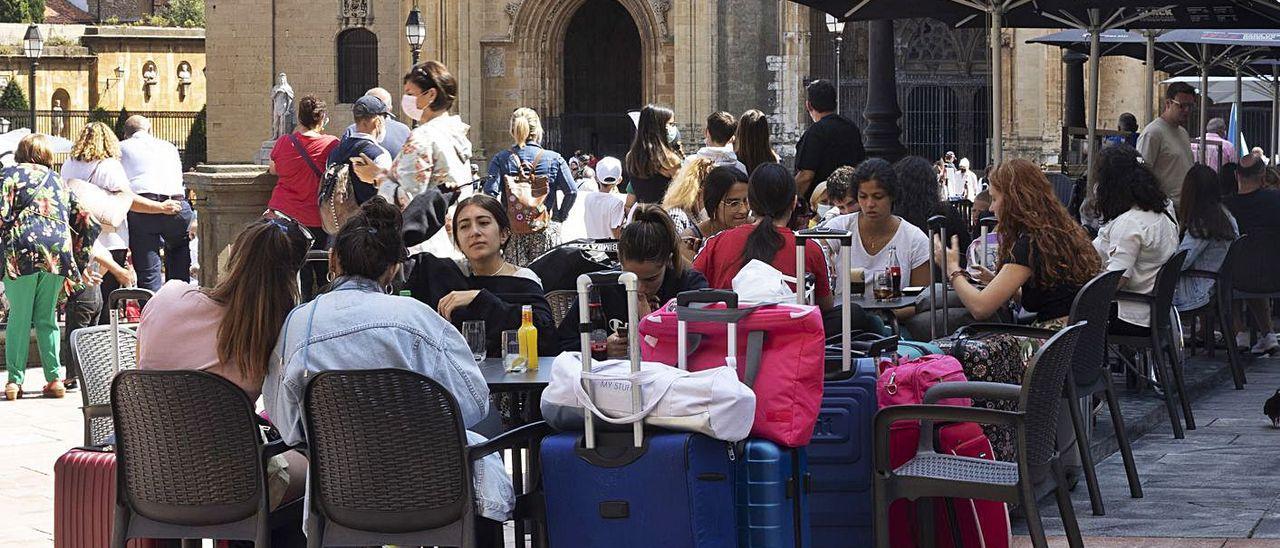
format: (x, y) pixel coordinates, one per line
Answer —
(580, 63)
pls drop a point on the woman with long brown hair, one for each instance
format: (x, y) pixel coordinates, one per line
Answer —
(751, 141)
(1045, 256)
(254, 297)
(654, 156)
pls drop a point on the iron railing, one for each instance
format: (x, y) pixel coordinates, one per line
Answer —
(174, 127)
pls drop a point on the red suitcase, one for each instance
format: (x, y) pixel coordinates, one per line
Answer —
(84, 501)
(981, 523)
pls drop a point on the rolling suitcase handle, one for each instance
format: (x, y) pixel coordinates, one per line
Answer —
(113, 300)
(937, 223)
(987, 225)
(685, 313)
(629, 282)
(846, 257)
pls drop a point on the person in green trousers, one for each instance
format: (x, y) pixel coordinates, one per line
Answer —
(47, 241)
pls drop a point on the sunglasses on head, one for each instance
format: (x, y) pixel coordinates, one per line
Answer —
(285, 222)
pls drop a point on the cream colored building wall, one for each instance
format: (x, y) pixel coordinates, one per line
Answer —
(68, 73)
(166, 94)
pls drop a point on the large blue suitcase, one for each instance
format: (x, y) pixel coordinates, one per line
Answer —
(636, 489)
(840, 460)
(772, 496)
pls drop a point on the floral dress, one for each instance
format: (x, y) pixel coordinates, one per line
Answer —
(42, 226)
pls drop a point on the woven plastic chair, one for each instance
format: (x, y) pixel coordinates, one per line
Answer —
(1088, 376)
(1246, 273)
(191, 463)
(1161, 343)
(389, 461)
(561, 301)
(931, 474)
(92, 347)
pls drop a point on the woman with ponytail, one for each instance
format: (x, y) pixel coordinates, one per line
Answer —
(526, 150)
(356, 325)
(772, 195)
(650, 248)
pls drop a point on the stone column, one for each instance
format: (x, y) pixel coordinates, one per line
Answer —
(882, 134)
(1073, 84)
(228, 197)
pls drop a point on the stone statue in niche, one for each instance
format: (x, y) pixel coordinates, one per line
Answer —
(59, 119)
(283, 117)
(149, 75)
(184, 74)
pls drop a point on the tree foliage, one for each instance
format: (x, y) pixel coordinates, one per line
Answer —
(197, 151)
(119, 128)
(36, 10)
(16, 11)
(179, 13)
(13, 98)
(99, 114)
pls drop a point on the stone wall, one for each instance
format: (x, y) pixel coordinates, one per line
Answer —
(123, 10)
(133, 49)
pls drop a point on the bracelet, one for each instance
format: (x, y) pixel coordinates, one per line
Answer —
(959, 274)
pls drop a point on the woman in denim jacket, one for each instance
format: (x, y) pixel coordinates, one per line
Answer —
(1207, 232)
(356, 325)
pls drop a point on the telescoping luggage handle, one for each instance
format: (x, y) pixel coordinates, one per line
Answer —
(987, 225)
(846, 243)
(730, 316)
(938, 224)
(629, 282)
(113, 301)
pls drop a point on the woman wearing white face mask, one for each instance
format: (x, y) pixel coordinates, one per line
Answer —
(438, 153)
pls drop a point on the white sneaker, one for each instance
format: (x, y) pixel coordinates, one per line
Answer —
(1242, 340)
(1266, 344)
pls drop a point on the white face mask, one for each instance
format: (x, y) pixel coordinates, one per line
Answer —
(823, 209)
(409, 104)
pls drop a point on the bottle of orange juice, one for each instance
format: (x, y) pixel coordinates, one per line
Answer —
(528, 338)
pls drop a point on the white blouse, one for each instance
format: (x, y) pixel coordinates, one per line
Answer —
(1138, 243)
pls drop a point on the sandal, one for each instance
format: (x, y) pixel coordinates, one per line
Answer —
(70, 384)
(12, 391)
(55, 389)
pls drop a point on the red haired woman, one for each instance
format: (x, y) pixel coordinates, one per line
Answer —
(1045, 256)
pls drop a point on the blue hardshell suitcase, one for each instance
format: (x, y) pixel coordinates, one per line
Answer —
(772, 496)
(840, 459)
(636, 489)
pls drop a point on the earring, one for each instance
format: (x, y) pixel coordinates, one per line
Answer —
(329, 277)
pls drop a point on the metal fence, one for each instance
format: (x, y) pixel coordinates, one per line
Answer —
(170, 126)
(606, 134)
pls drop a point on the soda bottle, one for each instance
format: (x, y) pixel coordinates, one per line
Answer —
(895, 272)
(599, 329)
(528, 335)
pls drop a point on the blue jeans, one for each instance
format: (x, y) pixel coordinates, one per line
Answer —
(148, 233)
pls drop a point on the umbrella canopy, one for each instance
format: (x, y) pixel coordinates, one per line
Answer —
(1222, 89)
(1127, 43)
(1154, 14)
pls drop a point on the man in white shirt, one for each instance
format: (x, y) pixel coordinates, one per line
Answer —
(604, 211)
(154, 168)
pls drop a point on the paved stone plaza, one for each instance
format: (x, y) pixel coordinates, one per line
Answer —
(1218, 488)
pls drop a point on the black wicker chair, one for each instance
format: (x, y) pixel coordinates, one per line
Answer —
(389, 461)
(1088, 375)
(1161, 343)
(94, 352)
(1214, 313)
(561, 301)
(932, 475)
(191, 463)
(1246, 273)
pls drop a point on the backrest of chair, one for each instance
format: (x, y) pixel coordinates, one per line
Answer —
(1093, 305)
(1042, 394)
(1248, 266)
(188, 447)
(1166, 285)
(92, 346)
(561, 301)
(387, 449)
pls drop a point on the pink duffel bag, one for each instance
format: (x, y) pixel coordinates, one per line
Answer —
(779, 353)
(906, 382)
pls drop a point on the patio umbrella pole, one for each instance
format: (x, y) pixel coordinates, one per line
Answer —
(1204, 99)
(1149, 106)
(1095, 58)
(1275, 109)
(997, 91)
(1237, 136)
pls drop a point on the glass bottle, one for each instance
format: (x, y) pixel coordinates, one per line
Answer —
(528, 338)
(599, 329)
(895, 272)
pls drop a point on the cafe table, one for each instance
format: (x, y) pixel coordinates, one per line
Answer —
(528, 384)
(885, 307)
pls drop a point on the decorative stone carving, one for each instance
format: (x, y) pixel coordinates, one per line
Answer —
(356, 13)
(494, 62)
(512, 9)
(661, 8)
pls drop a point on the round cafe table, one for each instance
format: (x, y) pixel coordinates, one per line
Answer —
(885, 307)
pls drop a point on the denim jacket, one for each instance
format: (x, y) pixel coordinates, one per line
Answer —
(357, 326)
(552, 164)
(1202, 254)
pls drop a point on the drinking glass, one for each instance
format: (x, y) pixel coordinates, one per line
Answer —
(883, 286)
(511, 358)
(473, 332)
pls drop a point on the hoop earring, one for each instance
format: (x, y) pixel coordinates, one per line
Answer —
(329, 276)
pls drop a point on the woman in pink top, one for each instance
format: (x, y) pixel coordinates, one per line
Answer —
(182, 327)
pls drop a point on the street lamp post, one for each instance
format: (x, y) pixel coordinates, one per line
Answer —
(415, 32)
(32, 47)
(836, 27)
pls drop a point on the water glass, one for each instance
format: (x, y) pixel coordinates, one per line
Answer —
(883, 286)
(473, 332)
(511, 358)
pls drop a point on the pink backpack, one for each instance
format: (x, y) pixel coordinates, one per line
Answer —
(906, 383)
(781, 349)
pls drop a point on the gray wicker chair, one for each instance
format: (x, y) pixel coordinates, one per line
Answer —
(561, 301)
(1160, 343)
(93, 350)
(934, 475)
(389, 461)
(191, 463)
(1088, 375)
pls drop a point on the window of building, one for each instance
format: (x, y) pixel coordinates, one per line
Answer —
(357, 63)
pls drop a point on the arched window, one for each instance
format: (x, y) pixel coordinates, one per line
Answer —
(357, 63)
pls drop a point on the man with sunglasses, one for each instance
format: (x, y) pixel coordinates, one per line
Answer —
(1165, 145)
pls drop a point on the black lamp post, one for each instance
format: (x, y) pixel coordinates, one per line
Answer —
(836, 27)
(415, 32)
(32, 47)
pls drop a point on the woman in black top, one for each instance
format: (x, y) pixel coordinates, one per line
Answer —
(654, 157)
(649, 248)
(1044, 255)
